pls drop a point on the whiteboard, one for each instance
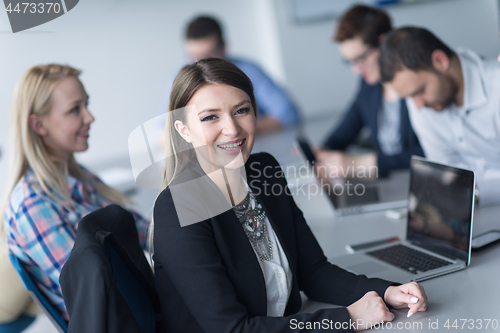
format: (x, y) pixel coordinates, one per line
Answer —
(309, 11)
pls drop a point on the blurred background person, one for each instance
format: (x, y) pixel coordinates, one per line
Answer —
(376, 106)
(452, 98)
(276, 110)
(48, 191)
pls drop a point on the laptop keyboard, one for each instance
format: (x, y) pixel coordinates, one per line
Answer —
(408, 259)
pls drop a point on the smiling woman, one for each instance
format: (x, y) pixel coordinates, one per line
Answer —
(66, 128)
(226, 131)
(48, 191)
(229, 257)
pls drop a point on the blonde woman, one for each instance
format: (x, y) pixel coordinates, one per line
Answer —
(48, 192)
(232, 250)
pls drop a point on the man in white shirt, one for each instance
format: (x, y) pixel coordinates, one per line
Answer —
(453, 98)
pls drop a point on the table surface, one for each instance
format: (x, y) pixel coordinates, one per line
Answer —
(464, 300)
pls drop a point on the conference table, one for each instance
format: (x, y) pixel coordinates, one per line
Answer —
(467, 300)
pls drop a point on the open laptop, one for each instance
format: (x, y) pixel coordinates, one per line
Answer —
(355, 195)
(439, 228)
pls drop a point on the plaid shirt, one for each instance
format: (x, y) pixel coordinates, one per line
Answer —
(41, 232)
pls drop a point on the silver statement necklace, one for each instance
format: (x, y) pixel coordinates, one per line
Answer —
(251, 211)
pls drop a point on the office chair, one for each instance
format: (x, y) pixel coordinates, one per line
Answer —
(40, 299)
(107, 283)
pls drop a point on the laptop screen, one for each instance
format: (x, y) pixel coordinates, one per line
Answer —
(440, 208)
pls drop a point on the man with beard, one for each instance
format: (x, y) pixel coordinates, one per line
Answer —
(453, 98)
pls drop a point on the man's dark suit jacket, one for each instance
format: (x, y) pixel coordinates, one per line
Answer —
(209, 279)
(364, 112)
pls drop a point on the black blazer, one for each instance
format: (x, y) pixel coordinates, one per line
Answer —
(91, 288)
(208, 277)
(364, 112)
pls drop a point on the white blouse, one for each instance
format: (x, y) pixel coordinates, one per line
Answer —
(277, 275)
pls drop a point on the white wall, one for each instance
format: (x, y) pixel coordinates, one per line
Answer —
(322, 83)
(127, 51)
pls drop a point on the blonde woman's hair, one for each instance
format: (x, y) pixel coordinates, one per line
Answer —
(179, 154)
(32, 96)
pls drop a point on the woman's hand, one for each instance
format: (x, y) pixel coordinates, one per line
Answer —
(330, 157)
(329, 164)
(368, 311)
(411, 295)
(336, 163)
